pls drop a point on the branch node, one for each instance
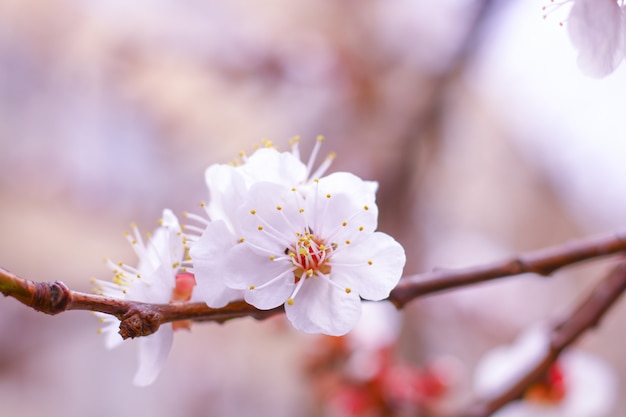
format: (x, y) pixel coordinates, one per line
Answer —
(138, 322)
(51, 297)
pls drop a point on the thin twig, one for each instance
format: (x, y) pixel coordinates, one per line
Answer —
(141, 319)
(585, 316)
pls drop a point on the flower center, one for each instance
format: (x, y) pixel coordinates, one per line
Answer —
(551, 389)
(309, 255)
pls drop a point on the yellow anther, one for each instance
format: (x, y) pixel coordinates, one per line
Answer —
(241, 240)
(316, 180)
(347, 242)
(175, 265)
(322, 247)
(295, 140)
(348, 290)
(360, 228)
(331, 155)
(344, 224)
(134, 242)
(327, 195)
(272, 257)
(309, 273)
(290, 301)
(160, 222)
(242, 153)
(251, 287)
(148, 235)
(279, 208)
(366, 208)
(99, 331)
(101, 319)
(369, 262)
(320, 138)
(202, 204)
(126, 233)
(302, 251)
(293, 189)
(301, 210)
(253, 212)
(260, 227)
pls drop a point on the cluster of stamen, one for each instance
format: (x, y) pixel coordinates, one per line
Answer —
(309, 256)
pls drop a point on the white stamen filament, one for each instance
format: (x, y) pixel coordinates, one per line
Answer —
(271, 281)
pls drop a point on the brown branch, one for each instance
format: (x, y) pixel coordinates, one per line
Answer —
(141, 319)
(585, 316)
(543, 262)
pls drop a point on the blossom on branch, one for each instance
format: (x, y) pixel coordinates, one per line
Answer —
(292, 236)
(158, 278)
(578, 384)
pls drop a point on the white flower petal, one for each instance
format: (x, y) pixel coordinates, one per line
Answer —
(207, 255)
(269, 165)
(227, 191)
(376, 280)
(320, 307)
(361, 192)
(338, 218)
(273, 281)
(595, 29)
(153, 351)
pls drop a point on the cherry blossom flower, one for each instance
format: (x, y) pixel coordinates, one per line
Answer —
(228, 186)
(596, 30)
(313, 249)
(158, 278)
(577, 385)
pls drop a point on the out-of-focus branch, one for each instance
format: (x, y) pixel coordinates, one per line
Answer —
(585, 316)
(543, 262)
(142, 319)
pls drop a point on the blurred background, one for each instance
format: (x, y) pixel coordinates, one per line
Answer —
(483, 134)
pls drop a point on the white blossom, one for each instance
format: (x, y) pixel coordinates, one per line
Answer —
(228, 185)
(156, 279)
(313, 249)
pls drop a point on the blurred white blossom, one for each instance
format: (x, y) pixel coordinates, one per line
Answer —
(578, 384)
(282, 224)
(596, 28)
